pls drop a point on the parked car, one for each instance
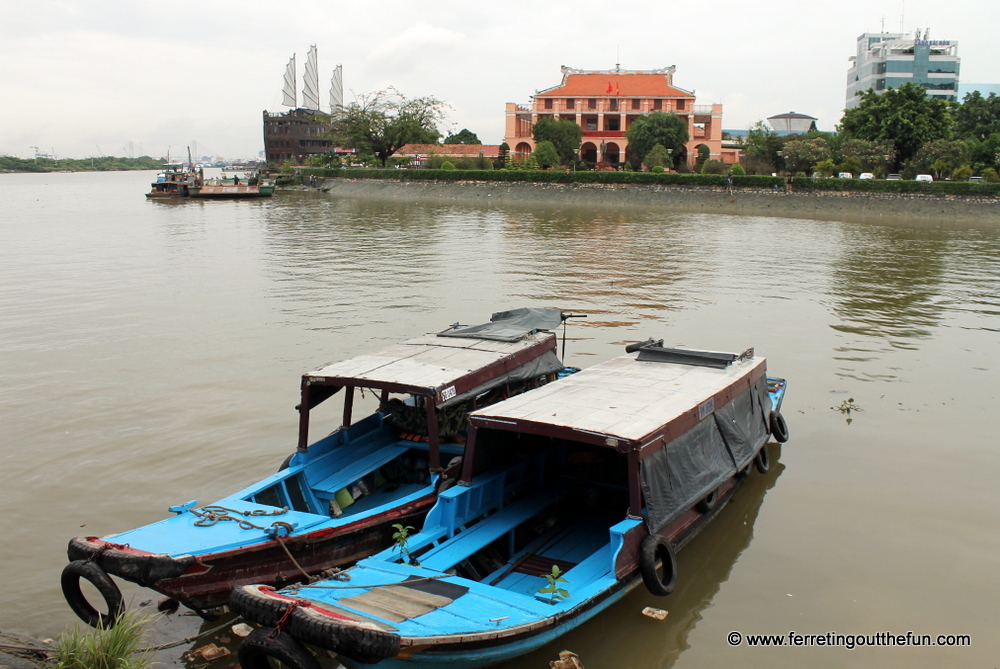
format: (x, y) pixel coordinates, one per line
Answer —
(977, 180)
(845, 175)
(866, 175)
(894, 177)
(923, 177)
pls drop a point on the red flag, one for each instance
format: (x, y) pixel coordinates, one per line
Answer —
(609, 88)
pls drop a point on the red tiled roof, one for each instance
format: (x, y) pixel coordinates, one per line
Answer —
(622, 85)
(450, 150)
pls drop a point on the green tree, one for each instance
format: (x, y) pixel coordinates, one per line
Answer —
(737, 170)
(713, 166)
(904, 118)
(762, 149)
(546, 155)
(380, 123)
(666, 129)
(502, 156)
(826, 167)
(463, 136)
(977, 117)
(657, 157)
(563, 134)
(801, 154)
(873, 156)
(939, 157)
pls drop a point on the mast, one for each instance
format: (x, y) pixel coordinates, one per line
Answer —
(288, 91)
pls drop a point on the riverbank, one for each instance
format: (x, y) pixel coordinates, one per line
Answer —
(18, 651)
(919, 208)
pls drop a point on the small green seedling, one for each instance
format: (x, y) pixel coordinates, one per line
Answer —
(846, 407)
(556, 593)
(401, 536)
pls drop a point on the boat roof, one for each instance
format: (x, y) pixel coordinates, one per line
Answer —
(446, 364)
(631, 402)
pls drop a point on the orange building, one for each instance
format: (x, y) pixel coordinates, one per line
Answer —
(604, 103)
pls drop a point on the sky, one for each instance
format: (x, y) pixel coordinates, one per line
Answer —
(86, 78)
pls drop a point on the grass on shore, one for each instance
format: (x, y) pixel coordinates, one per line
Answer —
(115, 648)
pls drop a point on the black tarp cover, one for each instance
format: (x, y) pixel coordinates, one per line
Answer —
(510, 325)
(675, 477)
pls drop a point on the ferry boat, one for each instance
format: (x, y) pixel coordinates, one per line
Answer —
(570, 496)
(176, 180)
(334, 501)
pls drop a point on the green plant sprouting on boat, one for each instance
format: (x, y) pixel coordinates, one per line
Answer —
(552, 589)
(101, 648)
(402, 537)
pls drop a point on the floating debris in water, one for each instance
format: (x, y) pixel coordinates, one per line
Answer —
(658, 614)
(846, 407)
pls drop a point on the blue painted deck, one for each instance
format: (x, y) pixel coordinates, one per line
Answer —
(305, 488)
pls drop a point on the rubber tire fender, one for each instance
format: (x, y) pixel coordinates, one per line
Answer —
(287, 461)
(655, 546)
(762, 461)
(779, 428)
(256, 649)
(70, 580)
(708, 503)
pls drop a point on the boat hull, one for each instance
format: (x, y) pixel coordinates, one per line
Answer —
(204, 582)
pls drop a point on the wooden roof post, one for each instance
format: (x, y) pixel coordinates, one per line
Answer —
(634, 489)
(433, 436)
(303, 445)
(469, 456)
(348, 405)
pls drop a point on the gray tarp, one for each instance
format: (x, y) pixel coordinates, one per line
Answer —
(510, 325)
(546, 363)
(743, 422)
(685, 470)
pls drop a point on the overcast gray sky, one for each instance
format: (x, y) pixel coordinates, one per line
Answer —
(82, 78)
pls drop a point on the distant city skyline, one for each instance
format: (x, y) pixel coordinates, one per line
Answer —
(87, 78)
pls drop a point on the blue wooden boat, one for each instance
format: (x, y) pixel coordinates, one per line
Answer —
(570, 495)
(332, 502)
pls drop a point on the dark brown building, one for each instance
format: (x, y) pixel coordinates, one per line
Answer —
(295, 135)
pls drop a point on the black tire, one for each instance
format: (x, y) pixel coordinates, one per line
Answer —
(261, 610)
(657, 548)
(779, 428)
(762, 461)
(363, 645)
(257, 649)
(287, 461)
(99, 578)
(709, 501)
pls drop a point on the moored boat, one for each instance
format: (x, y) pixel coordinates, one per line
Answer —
(570, 495)
(176, 180)
(334, 501)
(249, 185)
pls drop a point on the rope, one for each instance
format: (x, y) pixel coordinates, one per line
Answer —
(189, 639)
(210, 515)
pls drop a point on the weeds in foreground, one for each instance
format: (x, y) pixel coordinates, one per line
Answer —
(846, 407)
(115, 648)
(552, 589)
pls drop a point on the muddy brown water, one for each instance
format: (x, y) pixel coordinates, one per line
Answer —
(150, 354)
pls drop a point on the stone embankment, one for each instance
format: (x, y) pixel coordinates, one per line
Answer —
(18, 651)
(912, 208)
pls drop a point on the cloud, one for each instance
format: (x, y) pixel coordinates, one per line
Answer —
(415, 44)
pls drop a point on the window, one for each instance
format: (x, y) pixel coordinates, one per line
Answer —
(548, 103)
(570, 103)
(636, 104)
(680, 105)
(613, 105)
(657, 105)
(592, 103)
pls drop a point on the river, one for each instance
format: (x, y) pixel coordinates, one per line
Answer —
(150, 353)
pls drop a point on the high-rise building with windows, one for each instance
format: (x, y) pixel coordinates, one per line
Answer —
(889, 60)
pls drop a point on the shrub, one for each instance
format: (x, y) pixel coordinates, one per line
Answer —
(991, 175)
(713, 166)
(447, 165)
(114, 648)
(656, 168)
(738, 170)
(961, 173)
(546, 155)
